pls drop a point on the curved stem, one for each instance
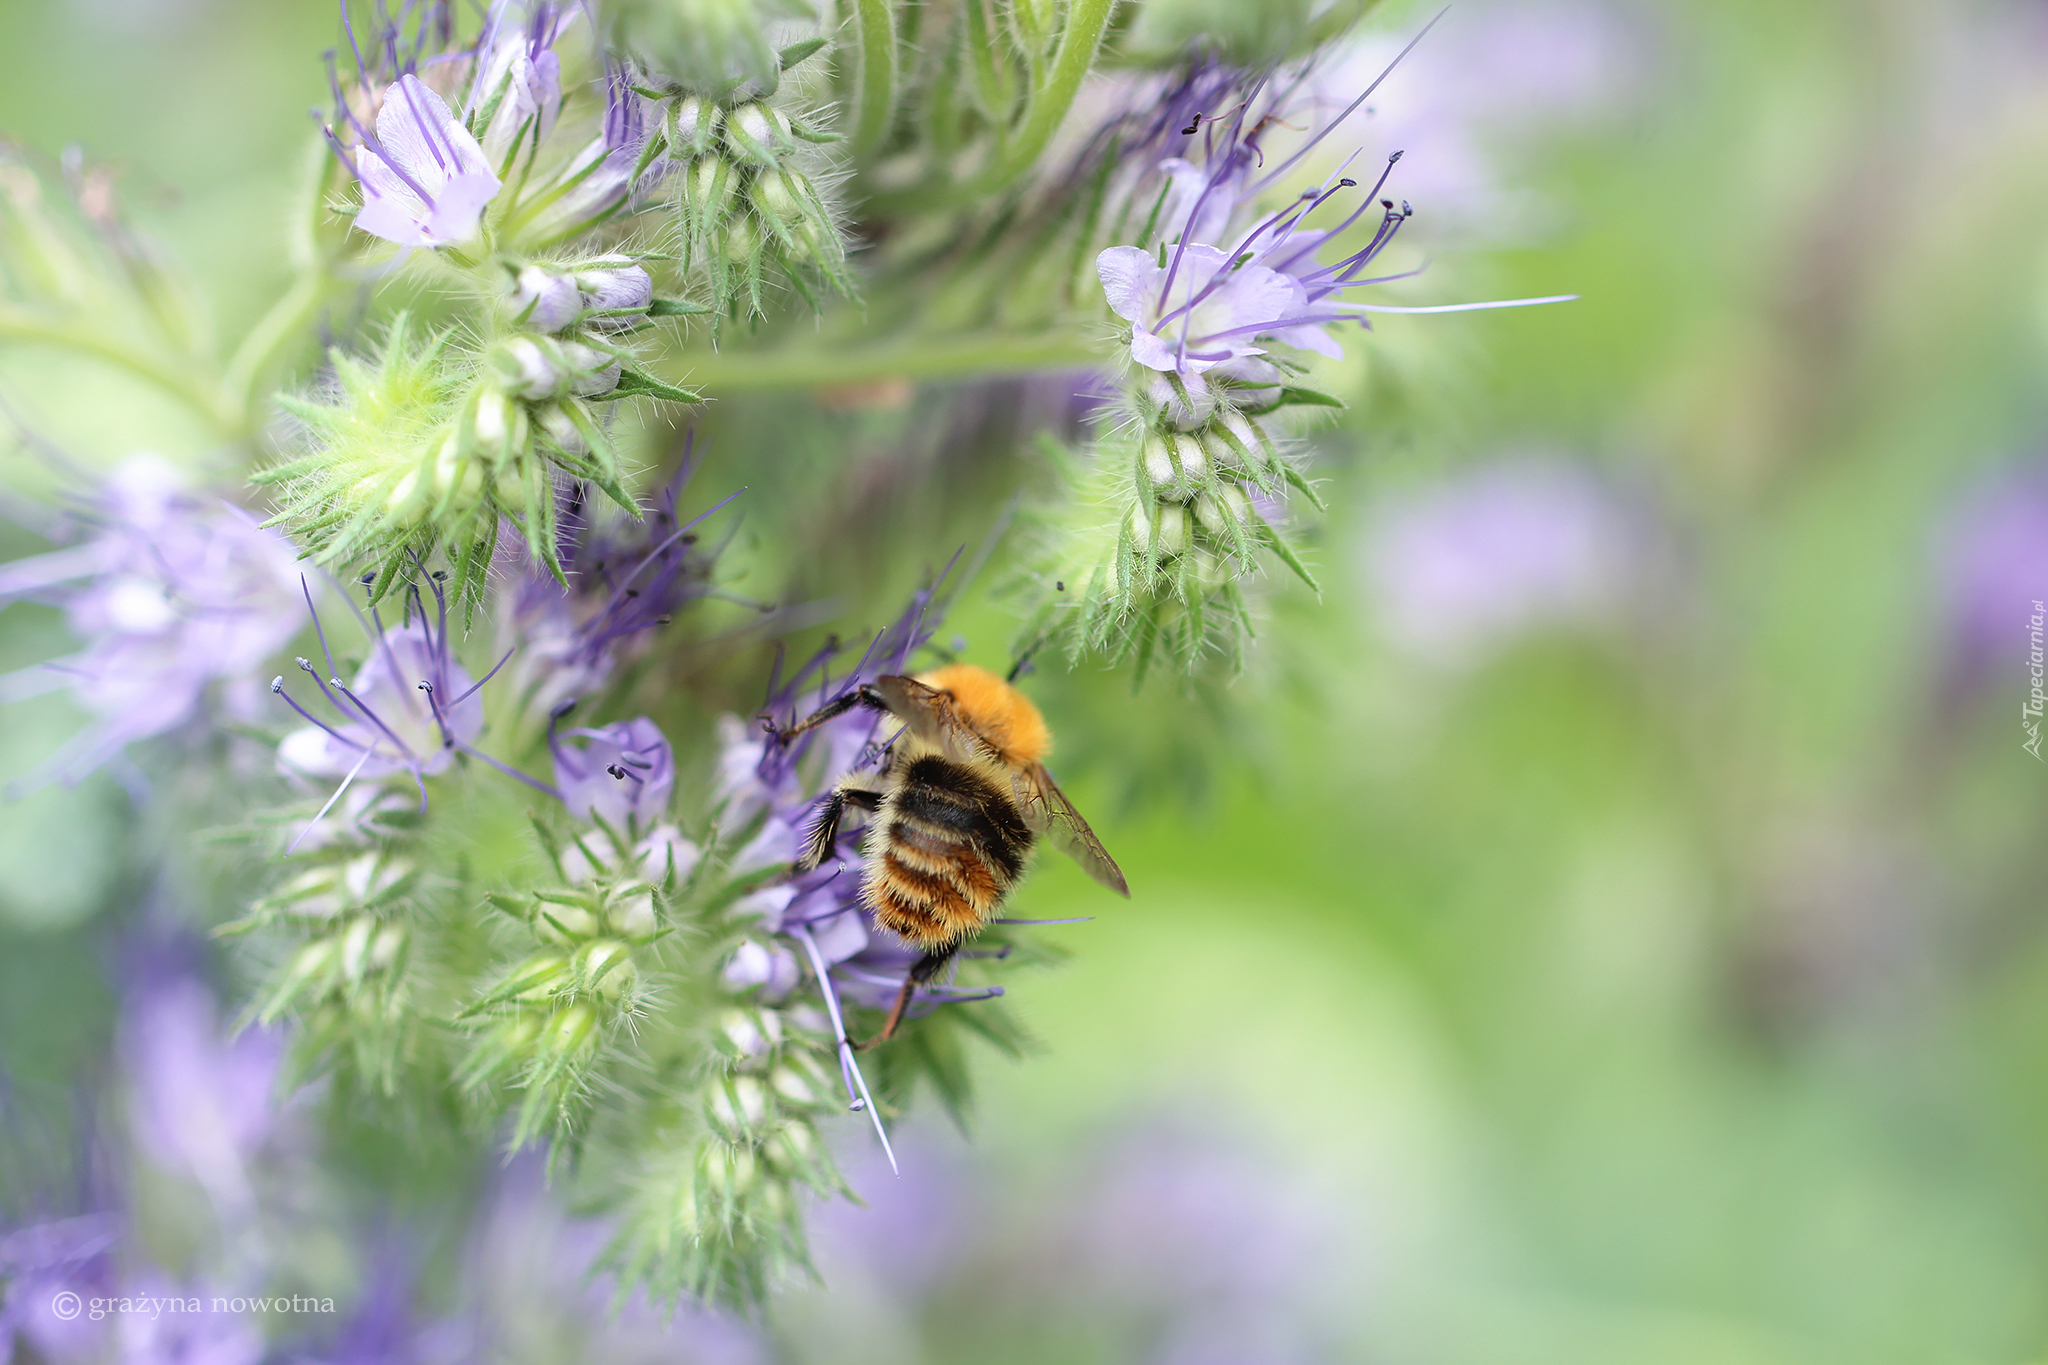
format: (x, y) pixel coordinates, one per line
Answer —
(275, 331)
(22, 324)
(875, 22)
(1087, 21)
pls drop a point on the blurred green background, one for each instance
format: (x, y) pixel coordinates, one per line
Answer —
(1606, 927)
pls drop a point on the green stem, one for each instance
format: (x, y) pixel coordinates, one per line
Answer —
(875, 21)
(20, 324)
(277, 330)
(918, 358)
(1087, 21)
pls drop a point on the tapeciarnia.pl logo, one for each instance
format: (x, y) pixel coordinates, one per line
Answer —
(2030, 710)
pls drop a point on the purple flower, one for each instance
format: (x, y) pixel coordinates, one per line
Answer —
(203, 1101)
(1204, 325)
(410, 707)
(1462, 568)
(1225, 277)
(425, 179)
(601, 179)
(626, 579)
(1992, 566)
(623, 775)
(173, 593)
(518, 81)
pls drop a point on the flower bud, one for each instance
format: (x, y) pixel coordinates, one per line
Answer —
(693, 126)
(408, 499)
(604, 966)
(793, 1086)
(543, 299)
(707, 192)
(593, 371)
(1183, 414)
(742, 240)
(1173, 528)
(530, 368)
(541, 976)
(367, 877)
(574, 921)
(1158, 460)
(758, 133)
(612, 284)
(561, 428)
(1219, 450)
(355, 947)
(457, 478)
(572, 1031)
(389, 944)
(634, 913)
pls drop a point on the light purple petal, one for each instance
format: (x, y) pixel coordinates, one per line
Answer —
(1130, 279)
(460, 205)
(1150, 351)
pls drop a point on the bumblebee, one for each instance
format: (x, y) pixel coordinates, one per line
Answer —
(954, 811)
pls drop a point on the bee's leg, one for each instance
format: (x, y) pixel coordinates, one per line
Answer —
(925, 968)
(863, 695)
(825, 829)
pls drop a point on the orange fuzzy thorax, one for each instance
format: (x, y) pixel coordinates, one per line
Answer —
(998, 712)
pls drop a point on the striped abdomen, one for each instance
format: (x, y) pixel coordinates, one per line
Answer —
(946, 846)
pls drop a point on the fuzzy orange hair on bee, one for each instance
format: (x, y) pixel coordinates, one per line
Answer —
(955, 809)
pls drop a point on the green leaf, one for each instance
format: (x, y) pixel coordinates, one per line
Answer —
(1307, 398)
(796, 52)
(632, 382)
(676, 308)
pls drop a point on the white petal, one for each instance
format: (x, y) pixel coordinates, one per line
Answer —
(1130, 279)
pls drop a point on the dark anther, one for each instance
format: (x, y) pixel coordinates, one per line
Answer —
(439, 575)
(1406, 212)
(616, 771)
(1387, 204)
(1347, 182)
(562, 709)
(663, 620)
(1059, 585)
(368, 578)
(426, 687)
(632, 592)
(1192, 128)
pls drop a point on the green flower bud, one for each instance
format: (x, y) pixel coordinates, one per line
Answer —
(572, 1031)
(1172, 528)
(561, 428)
(605, 966)
(757, 133)
(693, 125)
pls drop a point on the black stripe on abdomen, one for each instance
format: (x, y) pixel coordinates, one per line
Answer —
(951, 800)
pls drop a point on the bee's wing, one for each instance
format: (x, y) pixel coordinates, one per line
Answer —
(1054, 817)
(929, 714)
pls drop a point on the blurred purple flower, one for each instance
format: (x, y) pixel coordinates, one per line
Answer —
(1459, 569)
(1480, 88)
(623, 774)
(42, 1260)
(203, 1101)
(1992, 566)
(173, 592)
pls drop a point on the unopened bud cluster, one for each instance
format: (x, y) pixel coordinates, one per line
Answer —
(744, 203)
